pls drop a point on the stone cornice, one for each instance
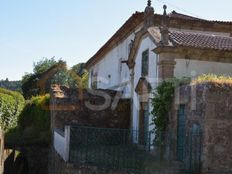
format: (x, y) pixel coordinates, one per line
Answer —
(179, 52)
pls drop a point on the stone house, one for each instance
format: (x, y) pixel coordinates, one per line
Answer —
(149, 48)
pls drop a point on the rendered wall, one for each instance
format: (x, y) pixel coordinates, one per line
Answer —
(193, 68)
(146, 44)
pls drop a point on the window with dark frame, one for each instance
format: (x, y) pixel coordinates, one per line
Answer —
(145, 63)
(93, 80)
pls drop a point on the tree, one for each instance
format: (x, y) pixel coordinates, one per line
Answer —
(43, 65)
(11, 85)
(39, 82)
(47, 72)
(82, 73)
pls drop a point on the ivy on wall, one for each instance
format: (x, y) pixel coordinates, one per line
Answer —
(162, 103)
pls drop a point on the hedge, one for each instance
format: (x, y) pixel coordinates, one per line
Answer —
(11, 105)
(33, 126)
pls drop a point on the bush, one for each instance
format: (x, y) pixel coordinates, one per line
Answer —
(33, 123)
(11, 105)
(219, 79)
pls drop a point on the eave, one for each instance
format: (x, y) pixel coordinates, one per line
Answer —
(136, 20)
(127, 28)
(183, 52)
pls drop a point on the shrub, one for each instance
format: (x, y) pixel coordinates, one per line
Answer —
(11, 105)
(33, 123)
(220, 79)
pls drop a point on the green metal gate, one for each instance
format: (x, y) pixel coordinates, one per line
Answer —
(181, 133)
(194, 149)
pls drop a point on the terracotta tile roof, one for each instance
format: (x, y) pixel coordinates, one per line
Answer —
(174, 14)
(206, 41)
(177, 19)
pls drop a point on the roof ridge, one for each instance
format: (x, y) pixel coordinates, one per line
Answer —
(175, 14)
(185, 15)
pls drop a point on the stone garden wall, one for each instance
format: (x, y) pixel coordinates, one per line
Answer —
(101, 108)
(208, 106)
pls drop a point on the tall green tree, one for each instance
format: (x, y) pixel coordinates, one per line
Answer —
(33, 84)
(49, 71)
(43, 65)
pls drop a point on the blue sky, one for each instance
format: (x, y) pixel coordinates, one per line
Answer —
(73, 29)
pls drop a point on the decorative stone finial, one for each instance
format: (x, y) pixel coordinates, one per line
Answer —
(164, 27)
(148, 15)
(165, 8)
(164, 17)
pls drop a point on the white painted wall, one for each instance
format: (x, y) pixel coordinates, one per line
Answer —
(146, 43)
(193, 68)
(112, 74)
(59, 144)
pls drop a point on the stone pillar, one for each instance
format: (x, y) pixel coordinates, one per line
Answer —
(166, 68)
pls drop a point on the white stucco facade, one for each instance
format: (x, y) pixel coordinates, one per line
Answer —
(146, 44)
(194, 68)
(110, 73)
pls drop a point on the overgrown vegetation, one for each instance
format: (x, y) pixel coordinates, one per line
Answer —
(163, 97)
(11, 105)
(220, 79)
(162, 103)
(33, 126)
